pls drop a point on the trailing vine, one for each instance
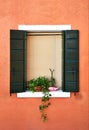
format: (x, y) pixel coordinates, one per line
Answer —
(45, 104)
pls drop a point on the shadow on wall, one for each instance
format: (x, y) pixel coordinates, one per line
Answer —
(79, 96)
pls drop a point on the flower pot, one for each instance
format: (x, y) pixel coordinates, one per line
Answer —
(38, 88)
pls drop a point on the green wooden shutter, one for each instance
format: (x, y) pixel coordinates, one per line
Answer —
(17, 61)
(70, 61)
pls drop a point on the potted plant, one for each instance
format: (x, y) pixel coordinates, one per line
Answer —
(45, 85)
(38, 84)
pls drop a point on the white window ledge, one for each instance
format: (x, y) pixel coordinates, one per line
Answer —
(55, 94)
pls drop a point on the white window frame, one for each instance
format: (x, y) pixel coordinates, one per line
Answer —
(43, 28)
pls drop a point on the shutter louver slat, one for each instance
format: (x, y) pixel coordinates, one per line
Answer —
(70, 61)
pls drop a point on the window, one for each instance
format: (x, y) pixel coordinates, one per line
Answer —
(63, 51)
(44, 51)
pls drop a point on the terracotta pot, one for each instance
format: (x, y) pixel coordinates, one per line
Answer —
(38, 88)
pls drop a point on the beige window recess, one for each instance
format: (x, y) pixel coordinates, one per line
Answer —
(44, 51)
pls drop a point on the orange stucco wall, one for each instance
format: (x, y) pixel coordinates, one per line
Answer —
(63, 114)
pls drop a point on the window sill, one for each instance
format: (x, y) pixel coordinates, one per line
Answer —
(56, 94)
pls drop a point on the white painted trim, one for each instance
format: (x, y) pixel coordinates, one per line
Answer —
(44, 27)
(55, 94)
(33, 28)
